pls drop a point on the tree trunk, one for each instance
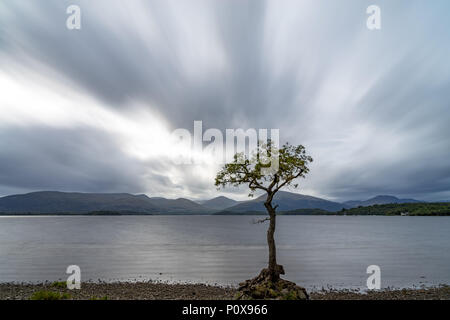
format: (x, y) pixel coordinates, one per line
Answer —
(274, 269)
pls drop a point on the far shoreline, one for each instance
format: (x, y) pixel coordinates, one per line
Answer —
(206, 215)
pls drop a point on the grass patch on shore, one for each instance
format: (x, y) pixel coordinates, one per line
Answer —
(49, 295)
(59, 284)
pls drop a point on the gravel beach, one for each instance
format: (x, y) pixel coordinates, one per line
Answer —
(165, 291)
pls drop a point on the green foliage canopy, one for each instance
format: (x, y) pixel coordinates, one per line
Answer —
(269, 168)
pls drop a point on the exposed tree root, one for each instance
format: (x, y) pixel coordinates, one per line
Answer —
(268, 285)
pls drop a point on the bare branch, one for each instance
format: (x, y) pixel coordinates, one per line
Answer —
(256, 221)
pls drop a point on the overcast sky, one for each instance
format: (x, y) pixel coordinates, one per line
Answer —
(92, 110)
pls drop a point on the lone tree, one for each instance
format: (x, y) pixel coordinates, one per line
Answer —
(260, 173)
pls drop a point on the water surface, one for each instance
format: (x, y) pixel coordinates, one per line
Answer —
(316, 251)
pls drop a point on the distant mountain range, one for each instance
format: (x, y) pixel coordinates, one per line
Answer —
(378, 200)
(287, 201)
(219, 203)
(53, 202)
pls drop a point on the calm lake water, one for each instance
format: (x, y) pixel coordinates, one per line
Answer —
(316, 251)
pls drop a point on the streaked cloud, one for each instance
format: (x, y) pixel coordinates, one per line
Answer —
(92, 110)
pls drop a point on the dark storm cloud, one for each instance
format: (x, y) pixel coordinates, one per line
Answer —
(371, 106)
(116, 65)
(37, 158)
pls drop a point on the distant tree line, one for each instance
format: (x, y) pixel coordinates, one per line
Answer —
(394, 209)
(397, 209)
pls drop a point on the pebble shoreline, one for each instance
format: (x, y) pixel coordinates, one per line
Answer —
(165, 291)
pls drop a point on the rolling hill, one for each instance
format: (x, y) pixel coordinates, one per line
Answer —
(219, 203)
(287, 201)
(51, 202)
(382, 199)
